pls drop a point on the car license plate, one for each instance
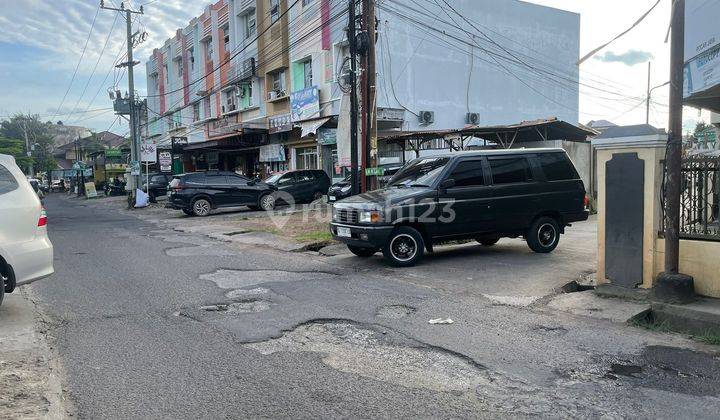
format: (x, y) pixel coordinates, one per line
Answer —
(343, 232)
(333, 198)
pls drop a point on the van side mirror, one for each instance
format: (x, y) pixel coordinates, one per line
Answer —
(448, 183)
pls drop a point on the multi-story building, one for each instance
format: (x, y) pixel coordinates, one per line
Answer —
(255, 87)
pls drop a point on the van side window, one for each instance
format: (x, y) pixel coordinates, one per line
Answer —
(468, 173)
(7, 181)
(557, 166)
(510, 170)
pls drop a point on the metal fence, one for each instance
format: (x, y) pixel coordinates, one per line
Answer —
(700, 197)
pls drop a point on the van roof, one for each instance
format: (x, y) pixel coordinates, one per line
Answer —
(497, 152)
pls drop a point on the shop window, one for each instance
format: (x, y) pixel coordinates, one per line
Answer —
(306, 158)
(274, 10)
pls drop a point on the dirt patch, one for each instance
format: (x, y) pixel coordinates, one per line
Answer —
(307, 226)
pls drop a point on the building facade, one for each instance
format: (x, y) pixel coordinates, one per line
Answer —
(254, 87)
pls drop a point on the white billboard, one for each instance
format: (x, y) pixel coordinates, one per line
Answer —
(702, 46)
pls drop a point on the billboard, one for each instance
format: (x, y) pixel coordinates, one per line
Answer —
(702, 46)
(305, 104)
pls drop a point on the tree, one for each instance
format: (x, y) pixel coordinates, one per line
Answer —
(21, 126)
(15, 148)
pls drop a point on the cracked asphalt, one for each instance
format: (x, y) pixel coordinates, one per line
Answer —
(148, 322)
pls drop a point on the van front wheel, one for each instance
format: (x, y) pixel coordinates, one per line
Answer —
(544, 235)
(404, 248)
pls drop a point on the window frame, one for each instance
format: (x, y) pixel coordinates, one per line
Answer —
(483, 170)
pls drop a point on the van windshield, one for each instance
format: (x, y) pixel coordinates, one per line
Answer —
(419, 172)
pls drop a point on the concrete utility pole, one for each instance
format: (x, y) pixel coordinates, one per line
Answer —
(352, 40)
(670, 284)
(647, 100)
(369, 92)
(134, 146)
(28, 148)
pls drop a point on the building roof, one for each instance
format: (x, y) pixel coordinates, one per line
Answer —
(526, 131)
(598, 124)
(630, 131)
(110, 140)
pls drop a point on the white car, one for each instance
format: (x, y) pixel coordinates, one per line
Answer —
(26, 253)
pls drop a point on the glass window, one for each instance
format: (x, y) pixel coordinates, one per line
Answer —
(196, 111)
(419, 172)
(306, 157)
(557, 166)
(249, 24)
(195, 178)
(191, 59)
(510, 170)
(468, 173)
(157, 178)
(307, 74)
(278, 83)
(209, 50)
(287, 179)
(236, 180)
(7, 180)
(226, 38)
(274, 10)
(305, 176)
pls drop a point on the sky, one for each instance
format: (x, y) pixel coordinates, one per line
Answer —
(42, 41)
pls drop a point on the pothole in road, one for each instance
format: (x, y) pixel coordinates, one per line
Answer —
(238, 279)
(352, 349)
(242, 294)
(250, 306)
(395, 311)
(199, 251)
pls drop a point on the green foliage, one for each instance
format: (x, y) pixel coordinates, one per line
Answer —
(16, 149)
(21, 127)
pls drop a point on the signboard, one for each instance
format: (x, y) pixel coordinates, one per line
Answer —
(134, 168)
(374, 171)
(148, 152)
(165, 159)
(390, 114)
(113, 153)
(90, 191)
(702, 73)
(305, 104)
(116, 167)
(327, 136)
(79, 165)
(279, 123)
(702, 32)
(272, 153)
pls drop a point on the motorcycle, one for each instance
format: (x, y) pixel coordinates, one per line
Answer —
(114, 190)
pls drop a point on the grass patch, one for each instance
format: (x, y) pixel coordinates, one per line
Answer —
(709, 337)
(314, 236)
(652, 325)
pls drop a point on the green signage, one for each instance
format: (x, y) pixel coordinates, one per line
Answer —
(374, 171)
(113, 153)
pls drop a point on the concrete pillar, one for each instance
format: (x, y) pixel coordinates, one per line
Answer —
(650, 149)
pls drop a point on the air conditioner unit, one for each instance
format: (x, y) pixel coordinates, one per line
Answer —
(472, 118)
(426, 117)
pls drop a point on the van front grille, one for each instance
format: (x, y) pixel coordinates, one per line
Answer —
(347, 216)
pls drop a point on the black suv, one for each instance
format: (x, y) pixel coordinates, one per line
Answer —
(303, 185)
(158, 185)
(484, 195)
(199, 192)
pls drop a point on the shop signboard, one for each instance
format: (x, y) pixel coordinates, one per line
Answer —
(115, 166)
(148, 152)
(113, 153)
(279, 123)
(272, 153)
(305, 104)
(374, 171)
(327, 136)
(165, 159)
(90, 191)
(702, 46)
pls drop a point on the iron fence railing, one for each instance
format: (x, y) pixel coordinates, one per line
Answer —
(700, 198)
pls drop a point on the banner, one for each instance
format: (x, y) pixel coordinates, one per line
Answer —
(272, 153)
(305, 104)
(702, 73)
(165, 159)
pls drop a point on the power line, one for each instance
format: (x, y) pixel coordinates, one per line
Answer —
(92, 26)
(97, 62)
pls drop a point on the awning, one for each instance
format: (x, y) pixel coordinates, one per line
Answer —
(310, 128)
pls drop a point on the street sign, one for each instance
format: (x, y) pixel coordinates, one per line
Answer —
(148, 152)
(374, 171)
(165, 159)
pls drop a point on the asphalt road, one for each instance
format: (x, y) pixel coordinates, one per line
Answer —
(152, 323)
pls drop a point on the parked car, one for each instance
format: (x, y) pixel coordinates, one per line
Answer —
(303, 185)
(26, 253)
(485, 195)
(158, 184)
(342, 189)
(198, 193)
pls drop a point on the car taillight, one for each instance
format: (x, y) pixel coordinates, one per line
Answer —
(42, 221)
(586, 201)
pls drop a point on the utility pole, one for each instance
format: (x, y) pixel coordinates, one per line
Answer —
(134, 146)
(647, 100)
(28, 148)
(670, 285)
(352, 40)
(369, 92)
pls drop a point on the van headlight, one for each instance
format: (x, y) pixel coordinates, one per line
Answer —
(345, 189)
(371, 216)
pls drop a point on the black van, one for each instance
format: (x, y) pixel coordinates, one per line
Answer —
(485, 195)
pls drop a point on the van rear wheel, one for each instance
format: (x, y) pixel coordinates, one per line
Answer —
(544, 235)
(405, 247)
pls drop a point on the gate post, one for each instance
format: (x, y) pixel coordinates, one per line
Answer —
(629, 163)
